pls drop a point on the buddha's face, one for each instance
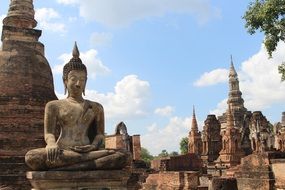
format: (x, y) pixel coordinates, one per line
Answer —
(75, 82)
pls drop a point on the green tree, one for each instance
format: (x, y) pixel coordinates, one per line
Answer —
(163, 153)
(268, 16)
(173, 153)
(146, 156)
(184, 145)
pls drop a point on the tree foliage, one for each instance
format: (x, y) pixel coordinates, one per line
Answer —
(146, 156)
(184, 145)
(268, 16)
(163, 154)
(173, 153)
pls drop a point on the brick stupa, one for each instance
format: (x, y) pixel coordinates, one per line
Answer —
(194, 137)
(26, 85)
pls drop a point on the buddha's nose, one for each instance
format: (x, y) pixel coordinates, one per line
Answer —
(77, 85)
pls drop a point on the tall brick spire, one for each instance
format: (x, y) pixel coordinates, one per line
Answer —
(26, 86)
(194, 126)
(194, 138)
(232, 72)
(21, 14)
(235, 100)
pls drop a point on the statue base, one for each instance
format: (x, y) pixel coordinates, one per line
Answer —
(87, 180)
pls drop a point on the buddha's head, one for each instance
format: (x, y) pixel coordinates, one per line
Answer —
(74, 75)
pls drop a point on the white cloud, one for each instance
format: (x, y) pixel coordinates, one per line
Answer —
(221, 108)
(156, 139)
(213, 77)
(101, 39)
(129, 99)
(260, 82)
(165, 111)
(124, 12)
(72, 19)
(45, 17)
(89, 58)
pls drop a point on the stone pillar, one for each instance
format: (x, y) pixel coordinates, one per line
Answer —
(26, 86)
(136, 148)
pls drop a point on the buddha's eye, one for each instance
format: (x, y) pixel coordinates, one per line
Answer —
(72, 78)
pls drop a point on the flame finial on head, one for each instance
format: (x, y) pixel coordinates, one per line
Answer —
(75, 63)
(75, 51)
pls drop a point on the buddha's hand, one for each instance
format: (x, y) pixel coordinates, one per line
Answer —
(83, 149)
(53, 152)
(98, 141)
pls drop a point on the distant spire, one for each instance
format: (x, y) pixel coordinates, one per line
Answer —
(21, 14)
(232, 72)
(194, 126)
(75, 51)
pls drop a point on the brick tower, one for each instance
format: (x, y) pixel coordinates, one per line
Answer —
(211, 139)
(26, 86)
(235, 101)
(231, 152)
(194, 138)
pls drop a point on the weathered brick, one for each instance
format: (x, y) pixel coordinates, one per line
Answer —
(26, 85)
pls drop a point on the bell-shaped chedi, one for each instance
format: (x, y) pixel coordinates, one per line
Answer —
(21, 14)
(26, 85)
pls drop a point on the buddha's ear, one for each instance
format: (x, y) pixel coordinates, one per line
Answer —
(65, 89)
(83, 92)
(84, 87)
(65, 86)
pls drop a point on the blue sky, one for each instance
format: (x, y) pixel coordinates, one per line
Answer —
(150, 61)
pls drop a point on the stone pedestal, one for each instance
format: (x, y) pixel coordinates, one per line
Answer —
(87, 180)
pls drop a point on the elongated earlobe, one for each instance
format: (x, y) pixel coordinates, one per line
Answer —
(65, 89)
(84, 87)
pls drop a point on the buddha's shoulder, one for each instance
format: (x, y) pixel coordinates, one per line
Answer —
(95, 105)
(56, 103)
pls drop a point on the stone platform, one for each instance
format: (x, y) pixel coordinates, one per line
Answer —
(79, 180)
(171, 180)
(263, 171)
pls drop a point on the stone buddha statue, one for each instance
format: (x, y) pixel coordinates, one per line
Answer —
(81, 123)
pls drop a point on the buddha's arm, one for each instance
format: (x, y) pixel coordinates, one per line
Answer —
(100, 126)
(49, 131)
